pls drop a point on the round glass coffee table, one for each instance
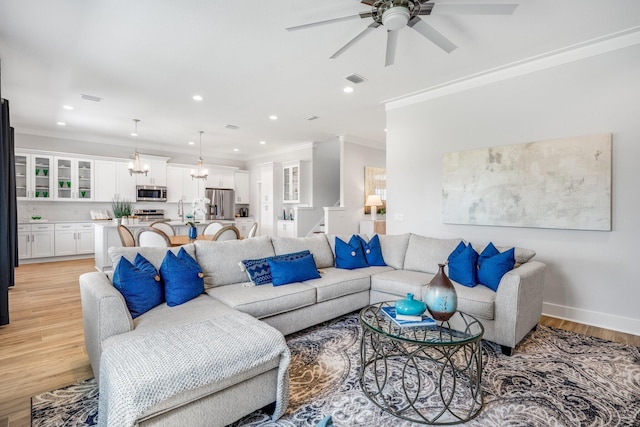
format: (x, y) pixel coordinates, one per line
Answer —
(427, 374)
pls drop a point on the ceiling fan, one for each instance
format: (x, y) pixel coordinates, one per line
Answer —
(397, 14)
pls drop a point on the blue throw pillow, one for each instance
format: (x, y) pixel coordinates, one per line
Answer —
(138, 286)
(183, 278)
(372, 251)
(350, 255)
(487, 252)
(285, 271)
(259, 271)
(463, 265)
(493, 268)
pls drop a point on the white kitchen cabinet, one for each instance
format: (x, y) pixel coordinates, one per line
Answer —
(34, 176)
(221, 178)
(73, 179)
(157, 174)
(74, 238)
(180, 185)
(295, 176)
(105, 180)
(287, 228)
(35, 241)
(242, 187)
(125, 182)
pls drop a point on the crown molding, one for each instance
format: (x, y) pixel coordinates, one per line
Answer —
(587, 49)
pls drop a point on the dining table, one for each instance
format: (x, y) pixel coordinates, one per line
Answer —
(183, 239)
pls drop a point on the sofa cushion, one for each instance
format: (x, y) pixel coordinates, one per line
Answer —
(372, 251)
(317, 244)
(478, 301)
(425, 253)
(258, 269)
(182, 277)
(337, 282)
(155, 255)
(139, 285)
(285, 271)
(401, 282)
(219, 260)
(350, 255)
(265, 301)
(463, 265)
(394, 248)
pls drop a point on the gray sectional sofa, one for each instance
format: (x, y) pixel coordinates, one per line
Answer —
(507, 315)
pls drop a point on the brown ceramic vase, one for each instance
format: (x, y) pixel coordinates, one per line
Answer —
(440, 296)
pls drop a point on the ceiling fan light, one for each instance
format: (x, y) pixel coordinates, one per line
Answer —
(395, 18)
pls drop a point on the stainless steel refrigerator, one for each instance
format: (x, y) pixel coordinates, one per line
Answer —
(223, 203)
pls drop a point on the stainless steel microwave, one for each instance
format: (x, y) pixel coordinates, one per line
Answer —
(151, 193)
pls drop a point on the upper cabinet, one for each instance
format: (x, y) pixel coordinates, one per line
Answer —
(34, 176)
(293, 179)
(73, 179)
(242, 187)
(221, 178)
(157, 174)
(180, 185)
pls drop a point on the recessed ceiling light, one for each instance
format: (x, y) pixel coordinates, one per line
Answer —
(263, 142)
(67, 107)
(197, 97)
(273, 117)
(236, 149)
(134, 134)
(191, 142)
(61, 123)
(385, 129)
(348, 89)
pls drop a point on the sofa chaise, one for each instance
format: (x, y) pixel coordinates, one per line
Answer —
(412, 260)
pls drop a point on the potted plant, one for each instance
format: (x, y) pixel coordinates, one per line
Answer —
(122, 208)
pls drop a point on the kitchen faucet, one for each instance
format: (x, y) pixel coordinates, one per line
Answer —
(181, 209)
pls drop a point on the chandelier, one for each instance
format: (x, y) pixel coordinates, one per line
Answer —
(136, 165)
(201, 172)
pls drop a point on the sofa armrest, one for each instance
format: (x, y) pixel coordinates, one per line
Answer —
(518, 305)
(104, 314)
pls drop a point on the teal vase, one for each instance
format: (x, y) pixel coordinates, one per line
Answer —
(193, 233)
(410, 306)
(440, 296)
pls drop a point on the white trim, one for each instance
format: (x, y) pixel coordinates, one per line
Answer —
(614, 41)
(593, 318)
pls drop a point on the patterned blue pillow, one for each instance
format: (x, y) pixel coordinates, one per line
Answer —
(182, 276)
(140, 286)
(258, 269)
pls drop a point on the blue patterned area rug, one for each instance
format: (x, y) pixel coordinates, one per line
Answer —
(555, 378)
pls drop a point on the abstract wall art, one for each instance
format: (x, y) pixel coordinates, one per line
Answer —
(561, 183)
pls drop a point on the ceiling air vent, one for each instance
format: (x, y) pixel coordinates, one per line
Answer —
(90, 98)
(355, 78)
(233, 127)
(311, 117)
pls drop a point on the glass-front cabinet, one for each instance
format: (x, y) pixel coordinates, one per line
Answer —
(34, 176)
(73, 179)
(291, 182)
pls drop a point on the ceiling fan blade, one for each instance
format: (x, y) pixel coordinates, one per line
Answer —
(472, 9)
(351, 42)
(360, 15)
(392, 43)
(432, 34)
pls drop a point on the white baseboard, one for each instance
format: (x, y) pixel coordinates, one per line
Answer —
(593, 318)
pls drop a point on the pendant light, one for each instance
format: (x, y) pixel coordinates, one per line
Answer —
(201, 172)
(136, 166)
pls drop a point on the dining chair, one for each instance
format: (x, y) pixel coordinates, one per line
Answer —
(150, 236)
(253, 230)
(212, 228)
(228, 232)
(165, 227)
(126, 236)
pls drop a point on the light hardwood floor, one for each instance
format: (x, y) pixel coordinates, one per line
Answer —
(43, 347)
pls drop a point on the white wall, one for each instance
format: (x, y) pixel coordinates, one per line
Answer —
(591, 277)
(354, 158)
